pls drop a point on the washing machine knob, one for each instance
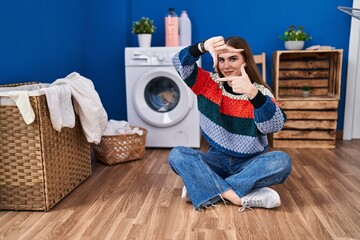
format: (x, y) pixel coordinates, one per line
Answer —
(161, 58)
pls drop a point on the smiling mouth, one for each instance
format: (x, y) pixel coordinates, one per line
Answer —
(227, 73)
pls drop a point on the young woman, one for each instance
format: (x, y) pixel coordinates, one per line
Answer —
(237, 111)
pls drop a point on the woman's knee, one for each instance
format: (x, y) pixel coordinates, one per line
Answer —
(178, 155)
(283, 161)
(182, 159)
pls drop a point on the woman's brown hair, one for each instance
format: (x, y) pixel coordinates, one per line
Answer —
(251, 68)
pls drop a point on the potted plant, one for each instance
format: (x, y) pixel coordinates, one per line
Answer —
(144, 28)
(295, 38)
(306, 91)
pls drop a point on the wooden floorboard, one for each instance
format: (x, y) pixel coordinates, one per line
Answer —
(142, 200)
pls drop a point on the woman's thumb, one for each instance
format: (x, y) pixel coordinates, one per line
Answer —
(242, 69)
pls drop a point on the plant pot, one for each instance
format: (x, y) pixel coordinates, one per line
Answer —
(294, 45)
(144, 40)
(306, 94)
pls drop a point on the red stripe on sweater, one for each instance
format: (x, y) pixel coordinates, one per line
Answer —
(207, 87)
(237, 108)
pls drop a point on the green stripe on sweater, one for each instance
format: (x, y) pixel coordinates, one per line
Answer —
(241, 126)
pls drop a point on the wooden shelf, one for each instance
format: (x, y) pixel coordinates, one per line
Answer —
(311, 121)
(318, 69)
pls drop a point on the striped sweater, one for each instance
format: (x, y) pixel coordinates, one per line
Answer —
(229, 122)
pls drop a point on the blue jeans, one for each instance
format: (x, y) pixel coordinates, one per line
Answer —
(206, 175)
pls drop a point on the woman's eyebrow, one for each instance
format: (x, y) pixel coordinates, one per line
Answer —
(232, 56)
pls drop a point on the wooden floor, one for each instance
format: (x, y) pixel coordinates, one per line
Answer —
(141, 200)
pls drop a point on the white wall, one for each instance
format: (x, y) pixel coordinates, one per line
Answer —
(352, 104)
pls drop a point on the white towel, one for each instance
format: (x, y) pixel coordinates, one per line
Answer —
(61, 110)
(21, 99)
(115, 127)
(87, 105)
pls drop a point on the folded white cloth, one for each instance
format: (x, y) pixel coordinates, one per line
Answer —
(60, 106)
(21, 99)
(115, 127)
(87, 105)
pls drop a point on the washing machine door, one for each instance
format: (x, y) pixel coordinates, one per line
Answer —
(161, 98)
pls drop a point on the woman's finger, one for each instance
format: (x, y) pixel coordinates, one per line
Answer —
(243, 71)
(234, 50)
(226, 49)
(220, 48)
(214, 57)
(226, 79)
(219, 44)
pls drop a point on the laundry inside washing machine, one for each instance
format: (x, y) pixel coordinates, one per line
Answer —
(162, 94)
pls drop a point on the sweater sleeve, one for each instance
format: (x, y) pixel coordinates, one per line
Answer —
(185, 64)
(194, 50)
(258, 100)
(269, 117)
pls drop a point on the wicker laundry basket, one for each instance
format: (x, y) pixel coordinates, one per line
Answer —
(120, 148)
(39, 166)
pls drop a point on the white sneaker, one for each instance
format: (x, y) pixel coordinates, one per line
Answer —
(185, 195)
(261, 197)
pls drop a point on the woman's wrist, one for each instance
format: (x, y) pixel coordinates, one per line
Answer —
(252, 93)
(194, 50)
(259, 100)
(201, 47)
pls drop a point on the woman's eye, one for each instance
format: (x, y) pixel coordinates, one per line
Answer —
(221, 60)
(233, 59)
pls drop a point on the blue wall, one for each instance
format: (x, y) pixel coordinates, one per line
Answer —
(40, 40)
(43, 40)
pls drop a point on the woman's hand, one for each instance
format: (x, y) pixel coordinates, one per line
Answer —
(215, 46)
(241, 84)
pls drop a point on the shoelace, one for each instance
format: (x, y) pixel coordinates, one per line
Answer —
(250, 202)
(203, 208)
(224, 201)
(244, 207)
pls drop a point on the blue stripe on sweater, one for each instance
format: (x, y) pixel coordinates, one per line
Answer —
(269, 118)
(233, 144)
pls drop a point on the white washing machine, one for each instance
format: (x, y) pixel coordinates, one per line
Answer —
(159, 100)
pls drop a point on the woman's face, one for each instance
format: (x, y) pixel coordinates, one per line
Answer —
(230, 63)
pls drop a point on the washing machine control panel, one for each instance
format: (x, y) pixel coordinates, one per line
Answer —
(154, 56)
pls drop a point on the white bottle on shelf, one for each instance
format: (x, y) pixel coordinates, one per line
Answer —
(185, 29)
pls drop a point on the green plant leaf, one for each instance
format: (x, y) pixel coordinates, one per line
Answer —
(295, 34)
(143, 26)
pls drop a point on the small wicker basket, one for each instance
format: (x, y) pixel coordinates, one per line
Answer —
(120, 148)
